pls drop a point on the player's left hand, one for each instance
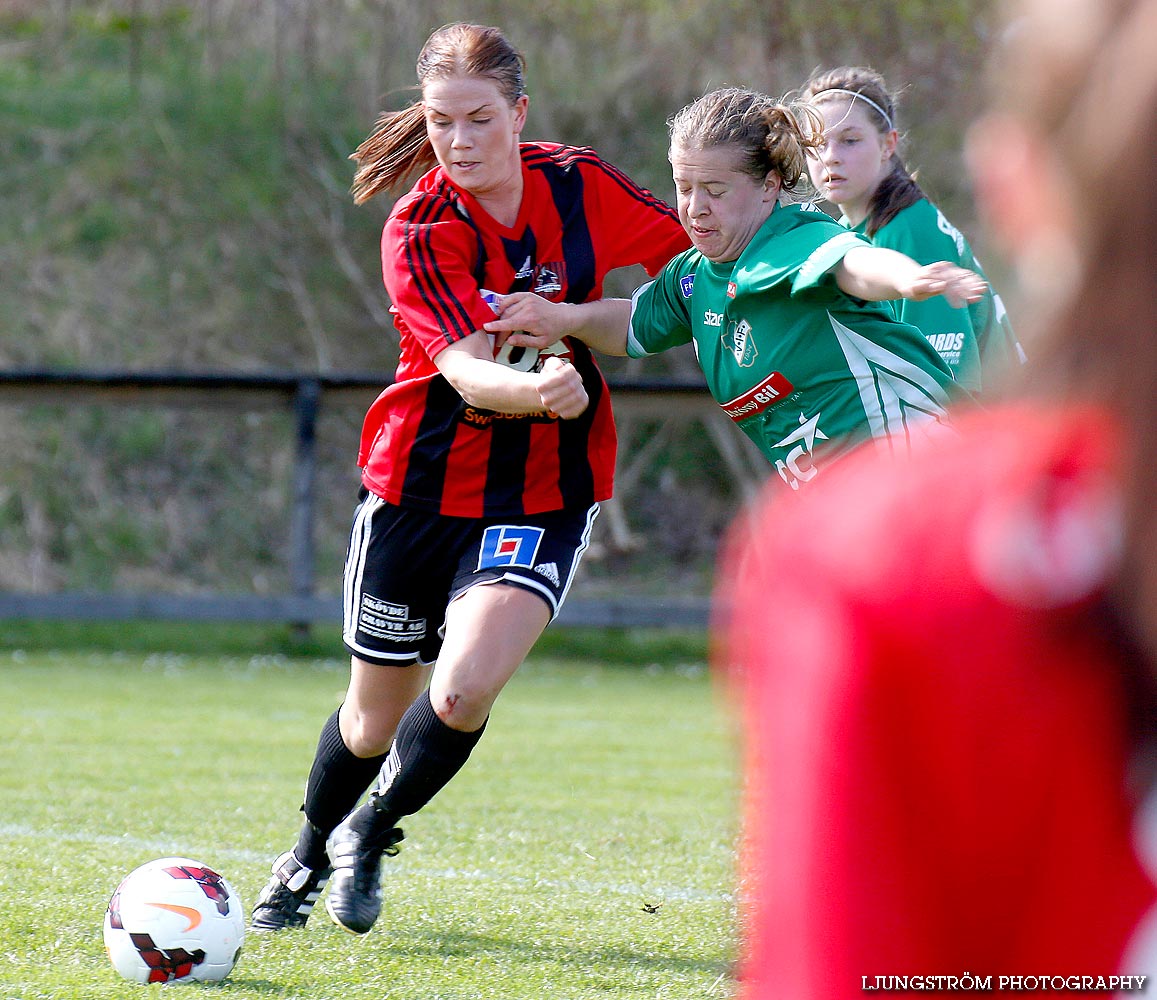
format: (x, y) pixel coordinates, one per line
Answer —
(526, 319)
(957, 284)
(561, 389)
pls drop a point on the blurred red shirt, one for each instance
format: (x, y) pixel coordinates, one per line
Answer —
(940, 718)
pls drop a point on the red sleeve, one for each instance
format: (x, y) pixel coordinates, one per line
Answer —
(632, 225)
(429, 257)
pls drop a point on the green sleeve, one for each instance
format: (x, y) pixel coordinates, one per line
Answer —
(661, 312)
(818, 264)
(800, 252)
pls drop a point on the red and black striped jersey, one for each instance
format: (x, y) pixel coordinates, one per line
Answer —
(422, 445)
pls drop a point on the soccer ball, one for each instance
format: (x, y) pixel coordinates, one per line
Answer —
(174, 920)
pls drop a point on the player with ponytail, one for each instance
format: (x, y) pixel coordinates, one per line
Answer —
(482, 471)
(786, 308)
(858, 168)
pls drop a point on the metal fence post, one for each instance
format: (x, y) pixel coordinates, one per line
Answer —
(306, 403)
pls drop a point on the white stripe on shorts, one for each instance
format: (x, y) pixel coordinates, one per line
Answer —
(355, 564)
(578, 553)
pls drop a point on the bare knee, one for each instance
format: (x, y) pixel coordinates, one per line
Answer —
(366, 734)
(462, 697)
(464, 711)
(374, 703)
(489, 631)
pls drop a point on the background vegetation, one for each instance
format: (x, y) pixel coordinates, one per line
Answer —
(173, 195)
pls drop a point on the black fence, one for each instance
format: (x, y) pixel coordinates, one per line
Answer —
(303, 395)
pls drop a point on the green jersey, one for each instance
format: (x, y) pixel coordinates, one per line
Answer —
(805, 370)
(975, 341)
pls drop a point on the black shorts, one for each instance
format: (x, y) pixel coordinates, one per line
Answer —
(405, 565)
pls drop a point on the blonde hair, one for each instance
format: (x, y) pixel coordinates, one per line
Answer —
(767, 133)
(399, 146)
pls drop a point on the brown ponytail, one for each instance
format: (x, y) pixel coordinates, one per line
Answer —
(895, 193)
(397, 148)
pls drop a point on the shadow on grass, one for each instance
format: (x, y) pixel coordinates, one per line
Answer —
(426, 955)
(240, 983)
(466, 945)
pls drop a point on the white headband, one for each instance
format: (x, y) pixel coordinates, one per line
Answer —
(854, 94)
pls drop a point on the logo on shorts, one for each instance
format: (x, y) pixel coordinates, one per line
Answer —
(550, 571)
(386, 620)
(509, 545)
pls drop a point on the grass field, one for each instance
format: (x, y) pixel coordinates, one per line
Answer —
(586, 850)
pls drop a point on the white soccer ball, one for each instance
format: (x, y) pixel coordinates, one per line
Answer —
(174, 920)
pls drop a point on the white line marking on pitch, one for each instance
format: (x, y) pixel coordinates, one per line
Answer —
(163, 848)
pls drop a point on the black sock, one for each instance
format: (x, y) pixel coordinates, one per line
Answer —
(336, 781)
(426, 754)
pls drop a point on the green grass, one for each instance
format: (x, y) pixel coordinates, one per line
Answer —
(628, 647)
(600, 793)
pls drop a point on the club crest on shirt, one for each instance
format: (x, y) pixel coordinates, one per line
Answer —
(547, 280)
(738, 340)
(687, 285)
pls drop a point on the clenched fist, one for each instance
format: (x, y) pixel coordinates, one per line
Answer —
(561, 388)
